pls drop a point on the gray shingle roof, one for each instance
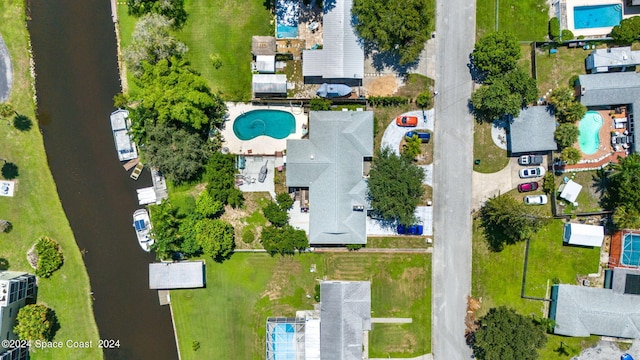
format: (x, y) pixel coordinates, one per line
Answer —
(345, 312)
(532, 131)
(584, 311)
(179, 275)
(342, 55)
(620, 88)
(330, 163)
(263, 45)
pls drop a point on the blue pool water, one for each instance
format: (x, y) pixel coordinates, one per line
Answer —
(282, 342)
(631, 250)
(589, 127)
(587, 17)
(287, 32)
(287, 19)
(274, 123)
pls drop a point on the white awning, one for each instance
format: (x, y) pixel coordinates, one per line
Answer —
(571, 191)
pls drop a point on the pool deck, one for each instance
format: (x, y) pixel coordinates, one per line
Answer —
(605, 154)
(615, 251)
(261, 145)
(568, 21)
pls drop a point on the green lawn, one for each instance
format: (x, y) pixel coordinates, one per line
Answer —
(225, 28)
(492, 158)
(497, 277)
(126, 24)
(35, 210)
(527, 19)
(556, 70)
(228, 317)
(589, 198)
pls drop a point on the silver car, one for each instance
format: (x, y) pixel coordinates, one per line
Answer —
(536, 199)
(532, 172)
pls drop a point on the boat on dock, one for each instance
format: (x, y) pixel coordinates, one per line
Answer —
(120, 124)
(142, 225)
(333, 90)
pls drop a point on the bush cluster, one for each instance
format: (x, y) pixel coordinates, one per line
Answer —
(385, 101)
(567, 35)
(554, 28)
(50, 257)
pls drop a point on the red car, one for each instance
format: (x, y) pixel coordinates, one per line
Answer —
(530, 186)
(407, 121)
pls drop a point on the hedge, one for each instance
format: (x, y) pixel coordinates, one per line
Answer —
(554, 28)
(387, 100)
(567, 35)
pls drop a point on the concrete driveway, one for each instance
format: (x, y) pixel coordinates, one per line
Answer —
(393, 135)
(486, 186)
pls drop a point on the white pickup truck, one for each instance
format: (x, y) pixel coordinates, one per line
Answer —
(526, 160)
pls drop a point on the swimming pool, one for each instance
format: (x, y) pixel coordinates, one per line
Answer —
(631, 250)
(287, 19)
(587, 17)
(589, 126)
(277, 124)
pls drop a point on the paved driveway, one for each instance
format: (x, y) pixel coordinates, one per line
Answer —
(452, 181)
(393, 135)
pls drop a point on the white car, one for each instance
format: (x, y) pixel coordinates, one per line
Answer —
(536, 199)
(532, 172)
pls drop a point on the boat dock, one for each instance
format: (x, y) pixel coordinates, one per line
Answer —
(156, 193)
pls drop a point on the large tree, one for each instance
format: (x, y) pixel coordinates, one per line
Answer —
(283, 240)
(495, 100)
(627, 31)
(496, 53)
(172, 9)
(521, 83)
(172, 93)
(36, 322)
(398, 27)
(152, 40)
(165, 230)
(505, 334)
(566, 135)
(395, 187)
(507, 221)
(623, 184)
(220, 177)
(179, 154)
(216, 238)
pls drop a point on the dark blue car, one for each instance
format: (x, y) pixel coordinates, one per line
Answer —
(423, 136)
(626, 357)
(410, 230)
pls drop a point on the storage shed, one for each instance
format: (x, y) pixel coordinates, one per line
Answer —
(570, 191)
(581, 234)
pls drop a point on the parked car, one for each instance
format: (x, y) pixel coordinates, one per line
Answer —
(407, 121)
(410, 230)
(526, 187)
(536, 199)
(626, 357)
(530, 160)
(422, 135)
(532, 172)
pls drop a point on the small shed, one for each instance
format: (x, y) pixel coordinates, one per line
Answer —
(269, 85)
(570, 191)
(266, 64)
(263, 45)
(581, 234)
(176, 275)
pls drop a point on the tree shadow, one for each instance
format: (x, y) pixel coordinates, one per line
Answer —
(55, 324)
(10, 171)
(22, 122)
(600, 182)
(387, 59)
(4, 264)
(477, 75)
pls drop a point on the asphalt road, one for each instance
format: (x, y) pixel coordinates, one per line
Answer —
(453, 162)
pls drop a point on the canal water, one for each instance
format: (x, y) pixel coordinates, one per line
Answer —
(74, 49)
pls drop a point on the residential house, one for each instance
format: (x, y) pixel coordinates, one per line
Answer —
(532, 131)
(341, 59)
(15, 289)
(337, 331)
(331, 164)
(612, 59)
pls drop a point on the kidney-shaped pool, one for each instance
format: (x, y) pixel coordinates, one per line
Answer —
(277, 124)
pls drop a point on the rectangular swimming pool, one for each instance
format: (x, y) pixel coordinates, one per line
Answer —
(587, 17)
(630, 250)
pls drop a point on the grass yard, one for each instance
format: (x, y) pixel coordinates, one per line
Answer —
(497, 277)
(589, 198)
(224, 28)
(400, 242)
(556, 70)
(35, 210)
(126, 24)
(228, 317)
(492, 158)
(527, 19)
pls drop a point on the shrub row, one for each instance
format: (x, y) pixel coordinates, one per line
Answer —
(387, 100)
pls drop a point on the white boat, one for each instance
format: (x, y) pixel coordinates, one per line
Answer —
(120, 124)
(333, 90)
(142, 224)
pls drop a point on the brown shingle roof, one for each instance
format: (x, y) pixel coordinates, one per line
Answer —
(263, 45)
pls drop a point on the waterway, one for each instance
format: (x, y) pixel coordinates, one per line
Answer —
(74, 49)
